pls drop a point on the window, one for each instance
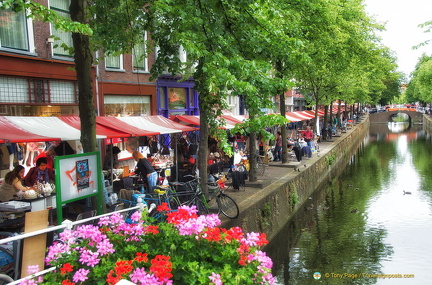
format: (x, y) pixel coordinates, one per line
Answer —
(114, 62)
(139, 56)
(61, 7)
(123, 105)
(63, 92)
(13, 90)
(13, 30)
(38, 91)
(177, 98)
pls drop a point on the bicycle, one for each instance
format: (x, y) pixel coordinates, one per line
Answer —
(190, 193)
(260, 166)
(226, 204)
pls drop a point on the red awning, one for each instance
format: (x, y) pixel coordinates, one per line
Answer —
(10, 132)
(189, 119)
(167, 123)
(75, 122)
(234, 119)
(291, 116)
(118, 125)
(195, 120)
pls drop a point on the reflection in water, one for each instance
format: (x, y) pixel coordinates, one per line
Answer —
(398, 127)
(363, 222)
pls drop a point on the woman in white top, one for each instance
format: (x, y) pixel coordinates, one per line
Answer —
(12, 184)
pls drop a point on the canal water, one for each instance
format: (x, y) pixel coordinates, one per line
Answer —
(363, 228)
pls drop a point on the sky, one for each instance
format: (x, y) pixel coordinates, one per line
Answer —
(401, 19)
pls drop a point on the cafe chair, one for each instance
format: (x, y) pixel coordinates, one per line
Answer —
(10, 254)
(83, 216)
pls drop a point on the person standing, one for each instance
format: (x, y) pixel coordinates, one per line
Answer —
(111, 158)
(278, 148)
(145, 169)
(49, 155)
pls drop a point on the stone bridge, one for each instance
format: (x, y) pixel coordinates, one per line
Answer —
(384, 117)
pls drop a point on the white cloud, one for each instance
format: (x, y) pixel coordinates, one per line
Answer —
(402, 32)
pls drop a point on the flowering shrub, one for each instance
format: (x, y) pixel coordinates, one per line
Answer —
(186, 249)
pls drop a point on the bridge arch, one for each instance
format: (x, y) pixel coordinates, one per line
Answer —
(384, 117)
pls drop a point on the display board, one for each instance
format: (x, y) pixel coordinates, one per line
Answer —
(78, 176)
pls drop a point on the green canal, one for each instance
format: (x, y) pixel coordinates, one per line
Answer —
(371, 225)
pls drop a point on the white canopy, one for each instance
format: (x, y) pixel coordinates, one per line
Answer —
(48, 127)
(143, 123)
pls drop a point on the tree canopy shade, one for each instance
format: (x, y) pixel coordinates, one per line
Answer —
(419, 88)
(257, 49)
(344, 56)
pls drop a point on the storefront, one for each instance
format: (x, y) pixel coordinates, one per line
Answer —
(176, 98)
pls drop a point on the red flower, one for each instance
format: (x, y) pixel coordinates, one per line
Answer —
(123, 267)
(67, 282)
(163, 207)
(141, 257)
(213, 234)
(161, 267)
(262, 239)
(235, 233)
(67, 267)
(179, 216)
(242, 260)
(152, 229)
(112, 280)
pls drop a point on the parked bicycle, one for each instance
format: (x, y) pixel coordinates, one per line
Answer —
(190, 193)
(260, 166)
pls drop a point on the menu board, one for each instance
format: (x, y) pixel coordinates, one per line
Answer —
(78, 176)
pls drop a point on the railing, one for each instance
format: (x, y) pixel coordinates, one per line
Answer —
(141, 206)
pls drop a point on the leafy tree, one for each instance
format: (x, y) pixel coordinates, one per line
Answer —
(417, 87)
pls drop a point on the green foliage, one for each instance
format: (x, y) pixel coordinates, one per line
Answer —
(42, 13)
(294, 198)
(330, 159)
(192, 250)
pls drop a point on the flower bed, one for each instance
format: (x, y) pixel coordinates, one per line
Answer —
(186, 249)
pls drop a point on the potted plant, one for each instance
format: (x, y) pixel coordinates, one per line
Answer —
(185, 249)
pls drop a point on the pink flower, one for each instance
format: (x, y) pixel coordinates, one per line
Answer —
(140, 276)
(31, 269)
(216, 279)
(251, 239)
(105, 247)
(89, 258)
(81, 275)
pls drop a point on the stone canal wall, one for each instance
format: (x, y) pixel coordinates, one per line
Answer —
(270, 209)
(427, 123)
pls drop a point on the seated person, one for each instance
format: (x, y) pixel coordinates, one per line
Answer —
(40, 173)
(308, 136)
(12, 184)
(111, 159)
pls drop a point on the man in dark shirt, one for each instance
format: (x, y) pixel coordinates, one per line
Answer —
(145, 169)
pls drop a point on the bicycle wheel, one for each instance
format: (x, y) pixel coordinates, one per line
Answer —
(201, 205)
(227, 206)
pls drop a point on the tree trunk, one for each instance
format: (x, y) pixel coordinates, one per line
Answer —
(83, 57)
(204, 126)
(252, 155)
(203, 148)
(283, 129)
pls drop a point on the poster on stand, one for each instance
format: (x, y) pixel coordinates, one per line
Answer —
(78, 176)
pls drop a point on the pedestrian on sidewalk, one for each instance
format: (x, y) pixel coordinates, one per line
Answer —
(278, 147)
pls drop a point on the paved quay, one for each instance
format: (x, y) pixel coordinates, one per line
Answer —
(275, 173)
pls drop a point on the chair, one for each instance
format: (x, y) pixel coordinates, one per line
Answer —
(85, 215)
(10, 257)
